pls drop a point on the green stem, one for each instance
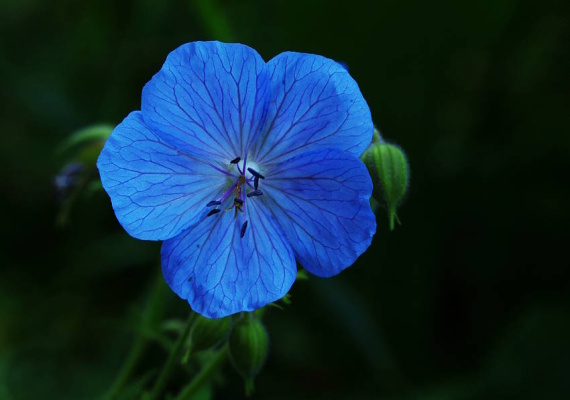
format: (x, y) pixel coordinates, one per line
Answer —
(204, 375)
(135, 353)
(152, 313)
(376, 137)
(173, 358)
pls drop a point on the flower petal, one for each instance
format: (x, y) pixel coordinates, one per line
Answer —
(208, 99)
(156, 190)
(221, 273)
(314, 103)
(321, 201)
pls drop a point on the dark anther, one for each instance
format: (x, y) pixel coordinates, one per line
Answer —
(256, 182)
(235, 160)
(213, 203)
(213, 211)
(255, 173)
(243, 227)
(238, 201)
(255, 193)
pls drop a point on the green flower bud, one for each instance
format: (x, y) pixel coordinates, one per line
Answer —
(389, 170)
(207, 333)
(78, 179)
(248, 348)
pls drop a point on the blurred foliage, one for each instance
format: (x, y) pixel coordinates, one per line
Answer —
(468, 300)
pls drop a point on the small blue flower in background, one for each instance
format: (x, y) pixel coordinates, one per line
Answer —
(66, 179)
(242, 167)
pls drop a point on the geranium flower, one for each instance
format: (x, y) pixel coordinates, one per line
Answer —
(242, 167)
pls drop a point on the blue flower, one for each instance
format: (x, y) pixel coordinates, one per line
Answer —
(66, 179)
(242, 167)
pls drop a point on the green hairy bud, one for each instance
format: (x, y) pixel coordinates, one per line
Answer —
(207, 333)
(248, 348)
(389, 170)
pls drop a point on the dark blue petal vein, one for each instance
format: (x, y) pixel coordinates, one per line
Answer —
(156, 190)
(208, 99)
(321, 201)
(221, 273)
(313, 103)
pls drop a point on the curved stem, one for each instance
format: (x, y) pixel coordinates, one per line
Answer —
(204, 375)
(152, 313)
(135, 353)
(172, 359)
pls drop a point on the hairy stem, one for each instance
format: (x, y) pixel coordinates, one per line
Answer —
(173, 358)
(204, 375)
(151, 315)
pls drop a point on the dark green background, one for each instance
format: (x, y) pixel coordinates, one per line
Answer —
(468, 299)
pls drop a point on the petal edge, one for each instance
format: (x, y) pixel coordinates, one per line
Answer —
(221, 273)
(156, 190)
(321, 201)
(313, 103)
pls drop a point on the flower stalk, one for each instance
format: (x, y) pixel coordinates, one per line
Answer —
(173, 357)
(204, 375)
(152, 313)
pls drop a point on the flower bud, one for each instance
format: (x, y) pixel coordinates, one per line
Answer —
(78, 178)
(389, 170)
(66, 179)
(207, 333)
(248, 348)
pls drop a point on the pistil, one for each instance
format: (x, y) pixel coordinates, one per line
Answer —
(240, 191)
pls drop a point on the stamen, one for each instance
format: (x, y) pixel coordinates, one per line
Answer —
(238, 201)
(255, 173)
(245, 161)
(255, 193)
(213, 211)
(235, 160)
(222, 171)
(243, 228)
(249, 184)
(256, 182)
(213, 203)
(228, 192)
